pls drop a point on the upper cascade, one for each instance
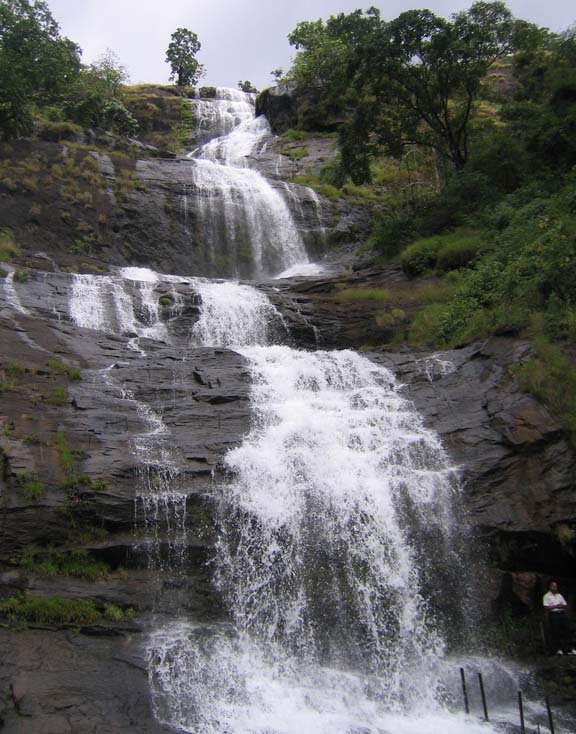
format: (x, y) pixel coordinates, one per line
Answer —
(217, 117)
(246, 223)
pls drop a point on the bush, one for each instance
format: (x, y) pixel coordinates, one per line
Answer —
(389, 235)
(459, 249)
(208, 92)
(420, 257)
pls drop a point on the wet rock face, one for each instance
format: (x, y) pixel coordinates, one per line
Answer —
(65, 683)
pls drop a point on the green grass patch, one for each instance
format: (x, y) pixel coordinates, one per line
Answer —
(451, 251)
(77, 563)
(364, 294)
(8, 247)
(49, 610)
(58, 397)
(59, 368)
(65, 453)
(293, 136)
(551, 377)
(326, 190)
(295, 154)
(30, 485)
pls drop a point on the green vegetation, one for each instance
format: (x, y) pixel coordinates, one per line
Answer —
(58, 397)
(77, 563)
(181, 55)
(248, 87)
(8, 247)
(65, 453)
(59, 368)
(208, 92)
(56, 610)
(32, 488)
(550, 376)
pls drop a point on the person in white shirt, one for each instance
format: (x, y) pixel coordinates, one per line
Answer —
(556, 610)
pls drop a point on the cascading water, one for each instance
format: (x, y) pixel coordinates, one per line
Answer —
(333, 531)
(246, 224)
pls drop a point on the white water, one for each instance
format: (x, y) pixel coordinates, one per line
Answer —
(245, 221)
(106, 303)
(11, 295)
(330, 532)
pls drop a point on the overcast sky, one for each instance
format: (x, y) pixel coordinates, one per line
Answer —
(241, 39)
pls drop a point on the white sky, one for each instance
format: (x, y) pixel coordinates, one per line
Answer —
(241, 39)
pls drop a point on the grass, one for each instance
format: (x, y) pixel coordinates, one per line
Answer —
(295, 154)
(49, 610)
(32, 488)
(326, 190)
(56, 610)
(58, 397)
(443, 252)
(8, 247)
(551, 377)
(364, 294)
(64, 452)
(75, 563)
(59, 368)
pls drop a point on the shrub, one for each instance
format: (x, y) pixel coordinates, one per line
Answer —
(208, 92)
(390, 234)
(459, 249)
(426, 324)
(420, 257)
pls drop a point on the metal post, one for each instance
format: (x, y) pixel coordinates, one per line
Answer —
(482, 693)
(521, 709)
(464, 691)
(550, 719)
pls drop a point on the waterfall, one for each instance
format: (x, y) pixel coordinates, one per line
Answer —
(11, 296)
(245, 222)
(336, 548)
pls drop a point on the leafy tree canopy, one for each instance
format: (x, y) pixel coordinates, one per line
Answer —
(37, 64)
(181, 55)
(412, 80)
(247, 87)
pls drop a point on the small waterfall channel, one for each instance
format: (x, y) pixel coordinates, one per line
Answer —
(246, 223)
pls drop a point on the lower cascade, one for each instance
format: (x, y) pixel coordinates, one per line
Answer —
(336, 556)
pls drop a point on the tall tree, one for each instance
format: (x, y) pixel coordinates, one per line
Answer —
(37, 64)
(413, 80)
(181, 55)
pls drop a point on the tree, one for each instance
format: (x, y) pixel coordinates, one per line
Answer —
(181, 55)
(247, 87)
(37, 64)
(97, 100)
(412, 80)
(423, 74)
